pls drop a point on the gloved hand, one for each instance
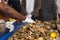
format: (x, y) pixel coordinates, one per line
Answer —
(28, 20)
(29, 16)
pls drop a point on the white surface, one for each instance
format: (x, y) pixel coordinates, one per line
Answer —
(29, 6)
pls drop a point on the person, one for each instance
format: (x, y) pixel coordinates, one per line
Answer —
(15, 4)
(58, 7)
(48, 8)
(9, 11)
(31, 8)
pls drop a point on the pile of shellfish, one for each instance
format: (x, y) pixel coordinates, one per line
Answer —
(38, 31)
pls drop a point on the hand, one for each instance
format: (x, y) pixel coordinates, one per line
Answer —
(28, 20)
(29, 16)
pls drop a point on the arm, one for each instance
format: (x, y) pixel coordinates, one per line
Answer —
(11, 11)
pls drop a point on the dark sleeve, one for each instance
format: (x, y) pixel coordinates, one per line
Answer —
(15, 4)
(9, 2)
(54, 10)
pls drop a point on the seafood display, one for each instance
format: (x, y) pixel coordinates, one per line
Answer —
(38, 31)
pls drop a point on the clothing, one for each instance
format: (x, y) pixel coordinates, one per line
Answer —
(35, 11)
(20, 1)
(48, 8)
(29, 6)
(58, 5)
(15, 4)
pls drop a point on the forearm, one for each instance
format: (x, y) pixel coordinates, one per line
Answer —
(11, 11)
